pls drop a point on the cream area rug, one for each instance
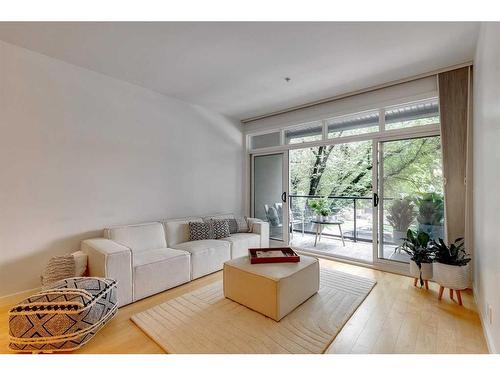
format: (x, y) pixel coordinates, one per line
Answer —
(204, 321)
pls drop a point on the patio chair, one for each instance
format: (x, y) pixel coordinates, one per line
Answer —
(296, 218)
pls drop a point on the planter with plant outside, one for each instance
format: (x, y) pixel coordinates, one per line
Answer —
(421, 256)
(451, 268)
(400, 215)
(431, 214)
(321, 207)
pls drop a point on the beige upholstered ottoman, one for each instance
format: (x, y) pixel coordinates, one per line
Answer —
(273, 289)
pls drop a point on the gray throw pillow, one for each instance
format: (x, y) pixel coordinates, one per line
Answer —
(242, 225)
(220, 228)
(233, 226)
(200, 231)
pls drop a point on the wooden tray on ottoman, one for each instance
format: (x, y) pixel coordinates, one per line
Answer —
(273, 255)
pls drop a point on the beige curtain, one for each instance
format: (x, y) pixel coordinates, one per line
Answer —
(454, 99)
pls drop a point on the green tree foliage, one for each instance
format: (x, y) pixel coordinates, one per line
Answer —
(410, 167)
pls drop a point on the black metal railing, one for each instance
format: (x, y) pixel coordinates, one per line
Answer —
(344, 208)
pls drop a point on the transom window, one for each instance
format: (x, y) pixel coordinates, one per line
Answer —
(360, 123)
(413, 114)
(305, 133)
(408, 115)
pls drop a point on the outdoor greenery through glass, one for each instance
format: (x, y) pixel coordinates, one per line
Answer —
(412, 191)
(412, 181)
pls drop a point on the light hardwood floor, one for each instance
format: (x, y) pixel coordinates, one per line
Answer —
(395, 318)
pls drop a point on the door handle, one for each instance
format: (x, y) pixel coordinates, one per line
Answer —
(375, 199)
(283, 197)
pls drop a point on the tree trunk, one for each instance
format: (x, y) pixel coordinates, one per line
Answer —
(318, 168)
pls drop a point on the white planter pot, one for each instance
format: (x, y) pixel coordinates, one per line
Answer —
(452, 277)
(427, 273)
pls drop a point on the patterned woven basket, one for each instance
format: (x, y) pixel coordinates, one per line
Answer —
(64, 317)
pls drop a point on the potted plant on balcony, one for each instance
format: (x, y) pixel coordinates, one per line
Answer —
(401, 214)
(421, 256)
(321, 207)
(451, 266)
(431, 214)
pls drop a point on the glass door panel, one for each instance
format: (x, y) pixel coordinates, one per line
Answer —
(339, 178)
(410, 189)
(269, 194)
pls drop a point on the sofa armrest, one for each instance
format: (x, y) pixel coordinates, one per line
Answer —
(262, 229)
(107, 258)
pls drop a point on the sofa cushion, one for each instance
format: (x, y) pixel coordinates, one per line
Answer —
(241, 242)
(156, 255)
(207, 256)
(177, 230)
(138, 237)
(158, 270)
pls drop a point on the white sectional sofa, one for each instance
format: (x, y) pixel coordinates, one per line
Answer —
(149, 258)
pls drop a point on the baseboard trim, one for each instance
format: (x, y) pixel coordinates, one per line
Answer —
(484, 319)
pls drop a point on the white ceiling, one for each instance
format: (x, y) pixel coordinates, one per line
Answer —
(238, 69)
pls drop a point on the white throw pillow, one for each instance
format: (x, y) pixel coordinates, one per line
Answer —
(64, 267)
(251, 222)
(80, 263)
(58, 268)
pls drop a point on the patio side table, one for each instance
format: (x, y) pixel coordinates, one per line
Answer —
(320, 225)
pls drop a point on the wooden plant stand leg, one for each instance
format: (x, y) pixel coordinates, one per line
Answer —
(441, 290)
(451, 294)
(459, 297)
(426, 282)
(415, 282)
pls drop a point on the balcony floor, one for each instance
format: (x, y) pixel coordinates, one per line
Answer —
(332, 246)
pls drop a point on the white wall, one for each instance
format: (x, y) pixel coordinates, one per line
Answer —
(486, 155)
(80, 151)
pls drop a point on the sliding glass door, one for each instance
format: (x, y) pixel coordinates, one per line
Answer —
(367, 177)
(331, 200)
(373, 191)
(410, 189)
(269, 193)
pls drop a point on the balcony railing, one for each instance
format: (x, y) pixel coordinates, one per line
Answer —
(356, 213)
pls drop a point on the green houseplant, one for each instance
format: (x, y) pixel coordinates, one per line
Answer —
(451, 264)
(401, 215)
(431, 214)
(320, 206)
(421, 256)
